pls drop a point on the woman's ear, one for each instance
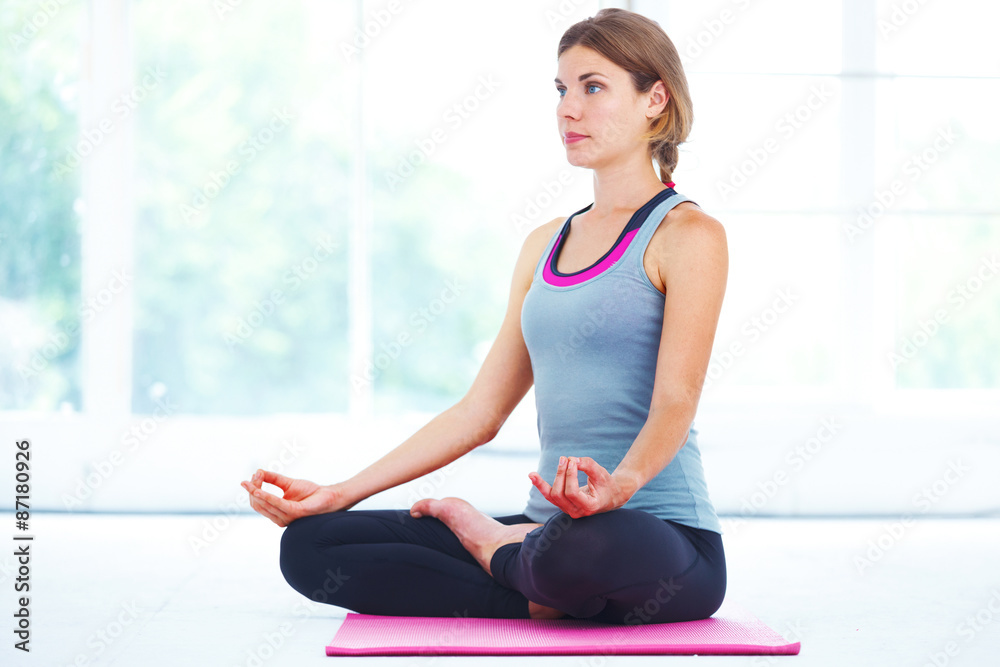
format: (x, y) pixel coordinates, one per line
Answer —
(659, 89)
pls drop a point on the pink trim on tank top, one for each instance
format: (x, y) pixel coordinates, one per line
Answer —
(597, 269)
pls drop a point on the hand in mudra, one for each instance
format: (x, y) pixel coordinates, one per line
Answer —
(602, 492)
(300, 497)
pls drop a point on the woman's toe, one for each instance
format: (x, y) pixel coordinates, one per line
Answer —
(421, 507)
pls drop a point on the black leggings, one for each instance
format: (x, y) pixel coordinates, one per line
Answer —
(624, 566)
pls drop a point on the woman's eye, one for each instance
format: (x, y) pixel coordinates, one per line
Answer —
(589, 86)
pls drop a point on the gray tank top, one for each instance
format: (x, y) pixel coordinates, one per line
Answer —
(593, 338)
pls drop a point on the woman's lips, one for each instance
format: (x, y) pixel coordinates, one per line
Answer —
(573, 139)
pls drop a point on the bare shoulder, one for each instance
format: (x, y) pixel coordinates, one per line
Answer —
(545, 231)
(685, 232)
(687, 224)
(539, 237)
(531, 251)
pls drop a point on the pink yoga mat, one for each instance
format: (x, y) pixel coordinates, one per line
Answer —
(732, 630)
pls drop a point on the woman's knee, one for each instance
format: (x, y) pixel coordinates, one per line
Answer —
(307, 567)
(297, 544)
(566, 551)
(298, 534)
(305, 532)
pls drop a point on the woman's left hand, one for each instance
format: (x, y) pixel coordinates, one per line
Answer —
(601, 493)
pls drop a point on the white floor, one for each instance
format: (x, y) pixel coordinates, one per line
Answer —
(131, 590)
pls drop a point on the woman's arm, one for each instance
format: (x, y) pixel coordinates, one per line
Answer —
(449, 436)
(695, 270)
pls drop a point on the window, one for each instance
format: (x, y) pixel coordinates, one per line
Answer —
(288, 214)
(41, 308)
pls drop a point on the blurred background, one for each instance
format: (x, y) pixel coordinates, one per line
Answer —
(245, 234)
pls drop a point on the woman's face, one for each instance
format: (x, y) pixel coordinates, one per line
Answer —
(597, 99)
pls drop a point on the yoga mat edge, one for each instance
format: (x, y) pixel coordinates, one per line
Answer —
(733, 630)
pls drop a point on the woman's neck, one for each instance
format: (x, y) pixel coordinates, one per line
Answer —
(620, 198)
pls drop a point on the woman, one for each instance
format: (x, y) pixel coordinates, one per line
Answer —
(618, 527)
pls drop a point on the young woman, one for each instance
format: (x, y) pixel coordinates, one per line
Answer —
(612, 315)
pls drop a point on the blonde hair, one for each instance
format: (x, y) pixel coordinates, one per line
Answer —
(639, 46)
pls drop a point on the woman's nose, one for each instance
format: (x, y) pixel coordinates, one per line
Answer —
(568, 109)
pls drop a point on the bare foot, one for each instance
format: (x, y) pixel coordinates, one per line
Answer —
(479, 533)
(536, 610)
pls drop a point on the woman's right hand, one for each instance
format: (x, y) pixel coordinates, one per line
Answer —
(300, 497)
